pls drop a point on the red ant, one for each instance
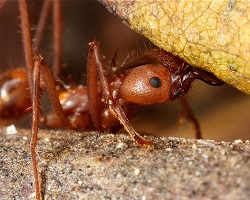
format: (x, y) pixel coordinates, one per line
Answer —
(107, 101)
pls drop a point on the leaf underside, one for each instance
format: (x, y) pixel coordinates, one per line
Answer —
(213, 35)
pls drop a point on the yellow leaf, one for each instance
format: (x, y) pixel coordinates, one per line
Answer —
(210, 34)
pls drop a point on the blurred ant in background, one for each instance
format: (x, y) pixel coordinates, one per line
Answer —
(109, 99)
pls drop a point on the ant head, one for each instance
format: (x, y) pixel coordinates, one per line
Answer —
(147, 84)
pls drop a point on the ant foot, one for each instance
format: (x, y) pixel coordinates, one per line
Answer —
(142, 142)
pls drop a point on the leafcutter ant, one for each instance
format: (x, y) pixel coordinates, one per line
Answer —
(107, 101)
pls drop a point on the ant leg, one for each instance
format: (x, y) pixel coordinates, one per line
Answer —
(41, 23)
(25, 27)
(92, 85)
(42, 78)
(34, 127)
(117, 111)
(57, 34)
(47, 83)
(34, 84)
(188, 113)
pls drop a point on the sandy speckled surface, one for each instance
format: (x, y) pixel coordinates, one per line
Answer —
(97, 166)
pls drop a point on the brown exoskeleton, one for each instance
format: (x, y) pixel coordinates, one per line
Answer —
(107, 101)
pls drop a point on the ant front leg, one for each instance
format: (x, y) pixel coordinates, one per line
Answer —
(95, 67)
(187, 112)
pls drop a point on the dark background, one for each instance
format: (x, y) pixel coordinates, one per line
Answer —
(222, 111)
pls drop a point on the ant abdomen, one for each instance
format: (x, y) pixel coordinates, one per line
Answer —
(14, 94)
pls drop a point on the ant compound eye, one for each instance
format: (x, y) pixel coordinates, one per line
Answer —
(146, 84)
(155, 82)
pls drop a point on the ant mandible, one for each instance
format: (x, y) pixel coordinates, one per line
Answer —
(107, 100)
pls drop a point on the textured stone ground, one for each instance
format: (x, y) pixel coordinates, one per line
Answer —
(89, 165)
